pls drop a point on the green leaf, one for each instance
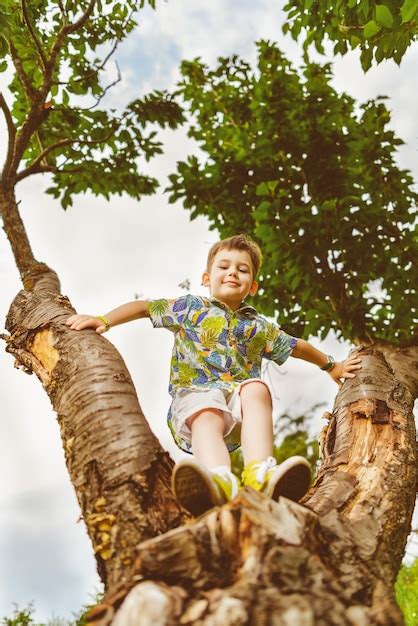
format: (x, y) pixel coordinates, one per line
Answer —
(408, 10)
(351, 3)
(366, 58)
(3, 66)
(384, 16)
(371, 29)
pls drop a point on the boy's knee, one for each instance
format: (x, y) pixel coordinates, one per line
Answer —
(256, 390)
(204, 415)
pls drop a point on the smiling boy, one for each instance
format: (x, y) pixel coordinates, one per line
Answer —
(219, 399)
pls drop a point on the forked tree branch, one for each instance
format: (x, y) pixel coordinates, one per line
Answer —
(36, 115)
(66, 30)
(31, 30)
(36, 167)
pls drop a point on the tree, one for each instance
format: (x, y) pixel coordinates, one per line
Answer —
(251, 560)
(380, 30)
(59, 53)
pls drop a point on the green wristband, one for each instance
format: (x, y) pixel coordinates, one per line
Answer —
(105, 321)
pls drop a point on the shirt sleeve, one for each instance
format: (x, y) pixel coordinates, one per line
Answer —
(169, 314)
(279, 345)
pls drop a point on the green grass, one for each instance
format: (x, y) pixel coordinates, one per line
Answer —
(406, 591)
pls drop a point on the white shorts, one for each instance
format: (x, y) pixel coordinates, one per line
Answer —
(187, 403)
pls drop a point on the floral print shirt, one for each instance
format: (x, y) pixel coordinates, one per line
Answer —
(215, 346)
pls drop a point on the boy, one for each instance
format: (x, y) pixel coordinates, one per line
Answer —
(219, 400)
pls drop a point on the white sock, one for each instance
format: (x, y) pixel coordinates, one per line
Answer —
(221, 469)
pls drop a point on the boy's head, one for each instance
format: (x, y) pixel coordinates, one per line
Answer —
(232, 267)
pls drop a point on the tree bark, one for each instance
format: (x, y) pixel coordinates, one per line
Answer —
(119, 471)
(331, 560)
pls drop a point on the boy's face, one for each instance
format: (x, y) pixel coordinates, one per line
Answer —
(230, 279)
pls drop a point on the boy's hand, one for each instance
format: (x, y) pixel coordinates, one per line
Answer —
(79, 322)
(345, 369)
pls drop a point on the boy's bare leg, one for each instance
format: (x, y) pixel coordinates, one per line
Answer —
(257, 422)
(208, 444)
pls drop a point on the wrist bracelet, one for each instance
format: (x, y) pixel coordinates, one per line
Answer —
(105, 321)
(329, 365)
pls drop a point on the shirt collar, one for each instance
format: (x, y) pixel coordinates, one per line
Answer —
(244, 308)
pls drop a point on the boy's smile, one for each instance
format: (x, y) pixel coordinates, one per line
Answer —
(230, 278)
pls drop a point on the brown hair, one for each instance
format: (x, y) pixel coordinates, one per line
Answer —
(238, 242)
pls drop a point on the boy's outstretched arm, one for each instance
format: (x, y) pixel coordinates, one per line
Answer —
(125, 313)
(341, 369)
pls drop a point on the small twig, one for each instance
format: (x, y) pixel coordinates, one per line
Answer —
(93, 72)
(105, 90)
(33, 34)
(343, 27)
(97, 99)
(63, 11)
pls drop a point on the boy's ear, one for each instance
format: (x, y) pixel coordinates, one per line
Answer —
(205, 279)
(253, 289)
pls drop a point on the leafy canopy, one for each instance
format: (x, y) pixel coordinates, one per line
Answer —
(381, 30)
(312, 175)
(60, 53)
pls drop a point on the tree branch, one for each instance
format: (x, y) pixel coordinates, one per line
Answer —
(36, 167)
(105, 90)
(93, 72)
(97, 99)
(30, 90)
(66, 29)
(12, 134)
(33, 34)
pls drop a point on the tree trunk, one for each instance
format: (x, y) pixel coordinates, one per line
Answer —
(120, 472)
(331, 560)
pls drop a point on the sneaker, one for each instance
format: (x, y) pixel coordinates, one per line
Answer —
(199, 489)
(290, 479)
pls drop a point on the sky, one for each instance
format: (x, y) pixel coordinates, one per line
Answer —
(107, 252)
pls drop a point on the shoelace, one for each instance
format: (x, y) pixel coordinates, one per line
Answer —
(263, 468)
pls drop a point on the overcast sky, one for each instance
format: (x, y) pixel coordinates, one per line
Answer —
(105, 253)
